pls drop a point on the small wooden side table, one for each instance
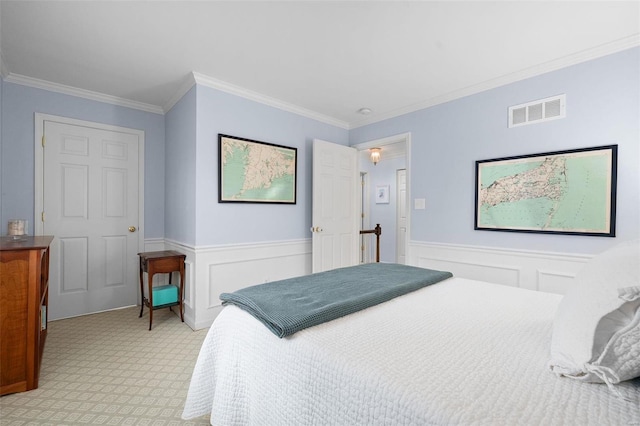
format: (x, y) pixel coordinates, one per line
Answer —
(161, 262)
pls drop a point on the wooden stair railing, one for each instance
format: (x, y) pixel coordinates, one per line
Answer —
(378, 231)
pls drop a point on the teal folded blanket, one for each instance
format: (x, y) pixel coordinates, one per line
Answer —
(290, 305)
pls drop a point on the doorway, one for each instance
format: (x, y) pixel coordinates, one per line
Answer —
(366, 242)
(385, 177)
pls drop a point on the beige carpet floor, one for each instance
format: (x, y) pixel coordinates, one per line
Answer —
(108, 369)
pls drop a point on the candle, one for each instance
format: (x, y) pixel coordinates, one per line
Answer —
(17, 227)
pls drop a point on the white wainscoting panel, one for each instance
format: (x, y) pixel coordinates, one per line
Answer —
(533, 270)
(213, 270)
(210, 271)
(154, 244)
(553, 281)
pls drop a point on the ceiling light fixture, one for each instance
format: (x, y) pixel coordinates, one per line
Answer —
(375, 155)
(364, 111)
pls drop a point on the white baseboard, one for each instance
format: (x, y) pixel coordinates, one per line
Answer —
(541, 271)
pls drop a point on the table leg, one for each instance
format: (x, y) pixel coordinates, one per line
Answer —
(181, 290)
(141, 288)
(170, 276)
(150, 277)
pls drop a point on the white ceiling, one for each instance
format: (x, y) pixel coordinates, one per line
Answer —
(324, 59)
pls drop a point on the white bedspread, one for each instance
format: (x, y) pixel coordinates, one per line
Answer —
(458, 352)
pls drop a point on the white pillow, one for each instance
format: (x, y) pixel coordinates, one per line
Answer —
(596, 330)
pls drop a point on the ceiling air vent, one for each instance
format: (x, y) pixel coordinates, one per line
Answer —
(537, 111)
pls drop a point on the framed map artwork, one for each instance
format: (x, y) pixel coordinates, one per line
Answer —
(255, 172)
(564, 192)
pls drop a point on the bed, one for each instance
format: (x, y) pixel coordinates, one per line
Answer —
(455, 352)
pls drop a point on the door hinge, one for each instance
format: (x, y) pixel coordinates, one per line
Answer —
(42, 216)
(43, 141)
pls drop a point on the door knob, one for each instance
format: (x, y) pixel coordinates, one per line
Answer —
(132, 229)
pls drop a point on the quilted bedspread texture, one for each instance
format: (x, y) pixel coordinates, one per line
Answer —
(474, 353)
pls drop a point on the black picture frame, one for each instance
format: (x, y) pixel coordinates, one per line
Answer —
(263, 163)
(573, 191)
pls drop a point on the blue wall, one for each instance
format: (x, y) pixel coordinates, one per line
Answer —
(181, 188)
(603, 107)
(230, 223)
(180, 170)
(20, 103)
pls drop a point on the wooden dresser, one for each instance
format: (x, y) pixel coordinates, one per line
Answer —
(24, 287)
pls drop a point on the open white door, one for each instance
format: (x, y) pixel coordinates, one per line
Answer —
(334, 229)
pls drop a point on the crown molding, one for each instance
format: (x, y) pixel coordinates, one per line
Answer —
(566, 61)
(185, 86)
(213, 83)
(197, 78)
(81, 93)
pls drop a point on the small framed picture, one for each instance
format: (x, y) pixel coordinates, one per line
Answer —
(382, 194)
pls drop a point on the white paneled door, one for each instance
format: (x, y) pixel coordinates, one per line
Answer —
(335, 228)
(90, 205)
